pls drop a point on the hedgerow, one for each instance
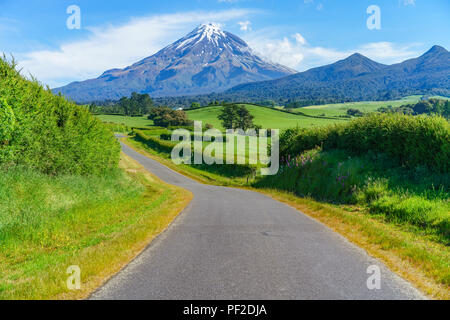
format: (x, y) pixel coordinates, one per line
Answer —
(410, 141)
(41, 131)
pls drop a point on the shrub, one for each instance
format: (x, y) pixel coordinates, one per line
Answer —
(410, 141)
(48, 133)
(166, 117)
(355, 112)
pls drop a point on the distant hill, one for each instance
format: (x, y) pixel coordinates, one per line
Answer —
(356, 78)
(206, 60)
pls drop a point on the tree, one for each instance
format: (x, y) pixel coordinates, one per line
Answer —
(355, 112)
(228, 117)
(165, 117)
(124, 103)
(144, 102)
(236, 117)
(244, 118)
(423, 107)
(195, 105)
(137, 104)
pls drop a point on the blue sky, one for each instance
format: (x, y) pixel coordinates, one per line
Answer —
(300, 34)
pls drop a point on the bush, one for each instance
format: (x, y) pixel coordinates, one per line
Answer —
(408, 140)
(48, 133)
(355, 112)
(166, 117)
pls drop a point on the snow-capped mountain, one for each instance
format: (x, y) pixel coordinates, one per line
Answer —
(204, 61)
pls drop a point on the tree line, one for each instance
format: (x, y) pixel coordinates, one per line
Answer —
(429, 107)
(135, 105)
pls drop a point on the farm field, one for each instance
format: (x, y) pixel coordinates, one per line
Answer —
(265, 117)
(340, 109)
(128, 121)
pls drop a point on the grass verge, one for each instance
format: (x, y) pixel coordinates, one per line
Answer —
(411, 254)
(99, 224)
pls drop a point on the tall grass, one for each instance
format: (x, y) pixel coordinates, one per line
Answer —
(31, 203)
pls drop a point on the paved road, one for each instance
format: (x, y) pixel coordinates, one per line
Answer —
(238, 244)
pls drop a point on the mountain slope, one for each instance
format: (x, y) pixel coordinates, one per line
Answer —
(206, 60)
(357, 78)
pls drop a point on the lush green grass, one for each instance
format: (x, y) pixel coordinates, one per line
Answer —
(117, 127)
(48, 223)
(340, 109)
(139, 122)
(265, 117)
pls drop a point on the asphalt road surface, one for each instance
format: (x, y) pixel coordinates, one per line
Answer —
(237, 244)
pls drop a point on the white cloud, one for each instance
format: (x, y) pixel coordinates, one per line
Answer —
(116, 46)
(319, 6)
(388, 52)
(296, 53)
(300, 39)
(245, 25)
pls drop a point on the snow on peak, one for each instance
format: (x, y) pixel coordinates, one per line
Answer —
(210, 31)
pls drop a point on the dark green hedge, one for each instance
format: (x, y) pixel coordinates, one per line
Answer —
(48, 133)
(411, 141)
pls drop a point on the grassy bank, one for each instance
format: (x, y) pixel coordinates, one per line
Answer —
(417, 198)
(48, 223)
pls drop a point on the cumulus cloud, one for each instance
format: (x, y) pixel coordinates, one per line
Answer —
(116, 46)
(296, 53)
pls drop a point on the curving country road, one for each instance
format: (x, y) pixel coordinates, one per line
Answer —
(237, 244)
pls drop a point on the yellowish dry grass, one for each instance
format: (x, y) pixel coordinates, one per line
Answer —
(101, 248)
